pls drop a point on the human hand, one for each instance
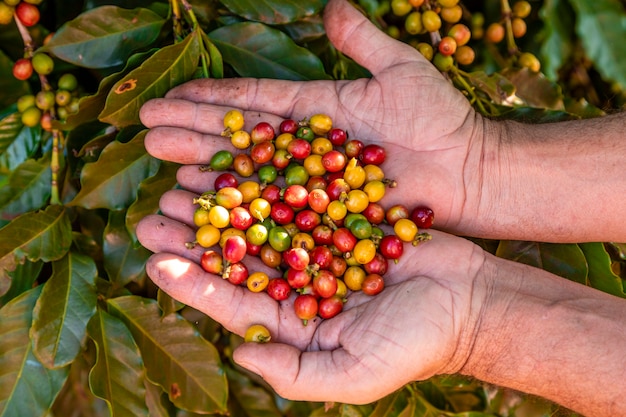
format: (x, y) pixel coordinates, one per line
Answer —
(432, 136)
(422, 324)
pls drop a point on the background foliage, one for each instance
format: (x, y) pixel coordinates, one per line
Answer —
(82, 329)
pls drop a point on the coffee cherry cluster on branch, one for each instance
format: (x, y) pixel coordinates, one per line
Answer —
(439, 33)
(307, 201)
(438, 30)
(25, 10)
(49, 103)
(52, 102)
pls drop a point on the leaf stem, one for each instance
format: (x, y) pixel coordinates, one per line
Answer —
(190, 13)
(176, 21)
(458, 76)
(57, 135)
(204, 58)
(57, 144)
(26, 38)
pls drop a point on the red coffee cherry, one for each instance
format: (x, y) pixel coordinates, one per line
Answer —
(27, 13)
(23, 69)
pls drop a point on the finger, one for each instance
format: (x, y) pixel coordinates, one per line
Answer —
(286, 99)
(234, 306)
(198, 116)
(193, 178)
(188, 283)
(182, 146)
(161, 234)
(354, 35)
(179, 205)
(333, 375)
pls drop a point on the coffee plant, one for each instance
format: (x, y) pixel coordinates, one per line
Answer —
(82, 329)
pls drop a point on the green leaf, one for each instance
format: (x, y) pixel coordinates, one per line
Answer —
(167, 303)
(156, 402)
(67, 303)
(17, 142)
(256, 50)
(496, 86)
(216, 64)
(118, 374)
(601, 27)
(534, 89)
(149, 194)
(250, 397)
(122, 261)
(601, 276)
(11, 87)
(112, 181)
(565, 260)
(29, 188)
(558, 22)
(307, 30)
(22, 279)
(418, 405)
(175, 355)
(386, 405)
(534, 115)
(170, 66)
(89, 107)
(27, 388)
(104, 37)
(274, 12)
(44, 235)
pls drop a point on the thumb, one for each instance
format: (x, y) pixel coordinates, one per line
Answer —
(354, 35)
(306, 376)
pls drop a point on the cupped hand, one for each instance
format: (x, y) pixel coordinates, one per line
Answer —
(432, 136)
(420, 325)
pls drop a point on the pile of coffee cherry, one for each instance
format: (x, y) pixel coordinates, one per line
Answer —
(307, 200)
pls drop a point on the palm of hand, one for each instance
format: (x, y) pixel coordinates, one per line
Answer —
(414, 329)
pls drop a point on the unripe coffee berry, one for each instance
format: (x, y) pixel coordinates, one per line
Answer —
(431, 21)
(45, 100)
(451, 14)
(495, 33)
(320, 124)
(67, 82)
(42, 63)
(518, 26)
(6, 13)
(25, 102)
(31, 117)
(413, 23)
(464, 55)
(400, 7)
(448, 3)
(522, 9)
(443, 63)
(233, 121)
(530, 61)
(257, 333)
(426, 49)
(63, 97)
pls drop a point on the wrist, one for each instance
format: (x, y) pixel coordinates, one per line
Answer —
(517, 173)
(483, 179)
(548, 336)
